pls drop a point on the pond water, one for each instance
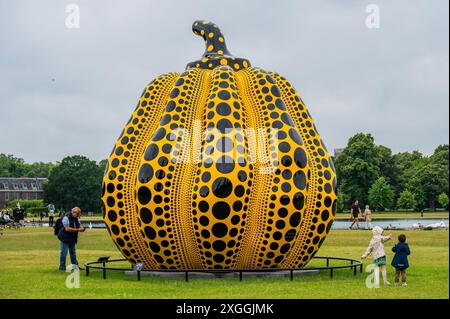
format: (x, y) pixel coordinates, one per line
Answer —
(405, 223)
(391, 223)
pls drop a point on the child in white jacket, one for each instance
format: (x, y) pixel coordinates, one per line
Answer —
(376, 247)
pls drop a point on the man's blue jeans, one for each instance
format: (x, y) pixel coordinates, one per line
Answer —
(63, 255)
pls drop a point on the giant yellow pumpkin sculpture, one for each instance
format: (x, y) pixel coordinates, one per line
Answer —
(219, 167)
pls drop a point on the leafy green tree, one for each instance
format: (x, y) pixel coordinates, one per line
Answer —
(407, 200)
(427, 183)
(39, 169)
(407, 163)
(11, 166)
(443, 200)
(358, 167)
(386, 164)
(341, 200)
(76, 181)
(381, 195)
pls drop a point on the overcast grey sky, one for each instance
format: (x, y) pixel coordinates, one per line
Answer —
(70, 91)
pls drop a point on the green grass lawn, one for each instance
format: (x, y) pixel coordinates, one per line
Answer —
(29, 262)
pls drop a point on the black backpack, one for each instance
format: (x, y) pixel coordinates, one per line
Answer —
(58, 226)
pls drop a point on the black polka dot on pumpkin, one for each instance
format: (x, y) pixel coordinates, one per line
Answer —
(146, 215)
(299, 201)
(112, 215)
(300, 158)
(295, 136)
(110, 188)
(221, 210)
(300, 180)
(119, 151)
(145, 173)
(223, 109)
(294, 221)
(204, 191)
(225, 165)
(159, 134)
(144, 195)
(203, 206)
(115, 230)
(224, 126)
(115, 163)
(219, 230)
(110, 201)
(224, 95)
(154, 247)
(151, 152)
(222, 187)
(327, 201)
(285, 248)
(290, 235)
(284, 147)
(224, 144)
(170, 106)
(219, 245)
(325, 215)
(287, 119)
(175, 92)
(239, 191)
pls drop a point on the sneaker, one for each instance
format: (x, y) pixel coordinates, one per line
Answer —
(395, 283)
(404, 284)
(387, 283)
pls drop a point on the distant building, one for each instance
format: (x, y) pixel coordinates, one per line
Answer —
(338, 151)
(13, 188)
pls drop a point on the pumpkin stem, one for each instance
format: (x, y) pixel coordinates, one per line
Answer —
(214, 40)
(216, 53)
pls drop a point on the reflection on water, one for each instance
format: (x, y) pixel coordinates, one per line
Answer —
(409, 223)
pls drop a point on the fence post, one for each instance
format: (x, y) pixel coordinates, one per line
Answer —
(104, 270)
(186, 276)
(331, 273)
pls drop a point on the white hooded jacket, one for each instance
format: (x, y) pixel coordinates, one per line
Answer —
(376, 245)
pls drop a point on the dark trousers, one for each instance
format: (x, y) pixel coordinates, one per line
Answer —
(397, 275)
(50, 221)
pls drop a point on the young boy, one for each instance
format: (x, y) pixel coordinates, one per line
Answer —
(400, 260)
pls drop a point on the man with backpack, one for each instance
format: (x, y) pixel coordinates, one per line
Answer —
(67, 229)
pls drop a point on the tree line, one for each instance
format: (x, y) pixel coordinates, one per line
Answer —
(374, 175)
(11, 166)
(368, 172)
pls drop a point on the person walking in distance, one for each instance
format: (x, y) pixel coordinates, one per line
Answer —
(354, 214)
(368, 217)
(51, 214)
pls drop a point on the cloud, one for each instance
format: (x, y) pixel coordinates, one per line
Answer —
(70, 91)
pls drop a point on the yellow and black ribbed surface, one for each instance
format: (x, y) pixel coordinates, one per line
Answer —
(219, 168)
